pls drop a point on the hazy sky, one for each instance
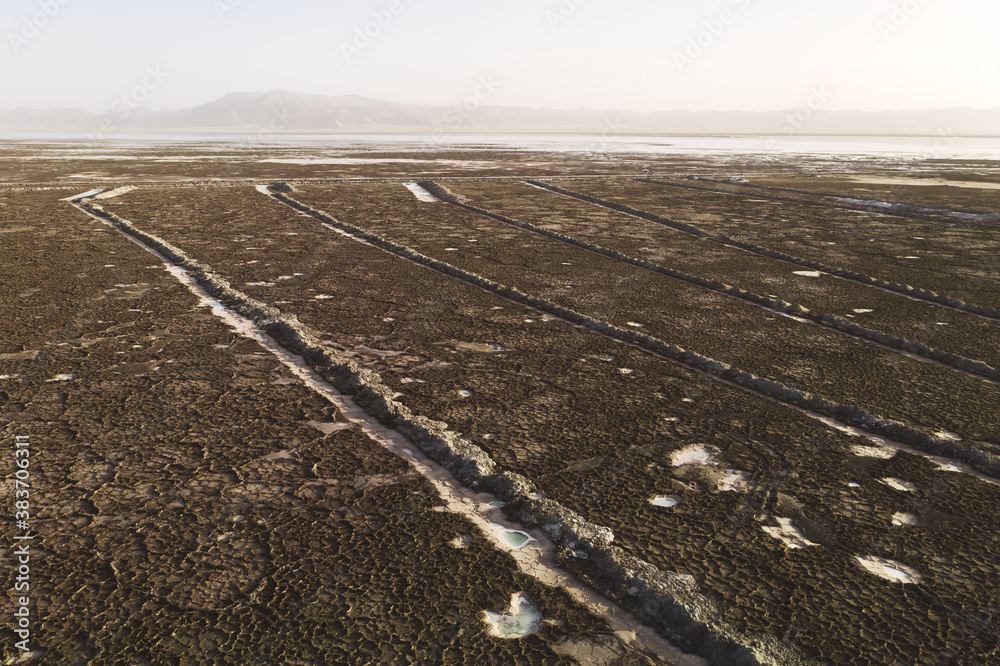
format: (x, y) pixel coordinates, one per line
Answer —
(622, 54)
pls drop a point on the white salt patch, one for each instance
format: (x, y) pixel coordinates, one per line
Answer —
(873, 451)
(461, 542)
(451, 249)
(815, 274)
(948, 435)
(889, 569)
(490, 437)
(411, 380)
(948, 467)
(665, 502)
(284, 454)
(635, 324)
(734, 481)
(911, 257)
(388, 320)
(260, 284)
(696, 454)
(529, 321)
(863, 311)
(9, 376)
(522, 620)
(285, 277)
(85, 195)
(626, 371)
(788, 533)
(117, 192)
(688, 400)
(62, 378)
(900, 519)
(465, 394)
(899, 484)
(421, 194)
(322, 297)
(854, 485)
(867, 202)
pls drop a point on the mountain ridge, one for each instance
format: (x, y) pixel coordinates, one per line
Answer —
(286, 111)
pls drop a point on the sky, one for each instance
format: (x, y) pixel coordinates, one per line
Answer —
(645, 55)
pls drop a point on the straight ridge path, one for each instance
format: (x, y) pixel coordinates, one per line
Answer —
(892, 287)
(880, 210)
(818, 407)
(893, 343)
(685, 612)
(902, 205)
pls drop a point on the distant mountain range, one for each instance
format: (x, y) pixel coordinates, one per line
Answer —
(280, 110)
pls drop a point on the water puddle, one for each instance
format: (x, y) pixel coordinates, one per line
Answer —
(516, 539)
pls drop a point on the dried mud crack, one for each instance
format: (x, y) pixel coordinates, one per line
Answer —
(354, 420)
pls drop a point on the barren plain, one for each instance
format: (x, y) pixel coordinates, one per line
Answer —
(428, 404)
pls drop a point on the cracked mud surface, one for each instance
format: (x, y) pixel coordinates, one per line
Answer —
(189, 505)
(199, 504)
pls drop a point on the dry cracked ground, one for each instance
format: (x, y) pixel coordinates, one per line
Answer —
(288, 405)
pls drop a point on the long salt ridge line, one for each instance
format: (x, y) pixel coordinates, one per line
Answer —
(536, 558)
(793, 311)
(916, 294)
(554, 311)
